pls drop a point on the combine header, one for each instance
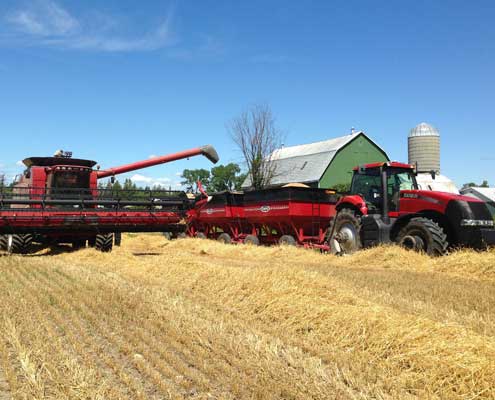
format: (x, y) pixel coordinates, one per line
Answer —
(57, 200)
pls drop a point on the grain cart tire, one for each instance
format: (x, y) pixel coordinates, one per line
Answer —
(224, 238)
(423, 234)
(78, 244)
(104, 243)
(200, 235)
(287, 240)
(167, 235)
(346, 231)
(3, 242)
(181, 235)
(117, 238)
(252, 240)
(19, 244)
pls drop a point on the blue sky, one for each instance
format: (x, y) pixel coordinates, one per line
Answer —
(118, 81)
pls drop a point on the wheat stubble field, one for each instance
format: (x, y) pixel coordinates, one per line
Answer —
(195, 319)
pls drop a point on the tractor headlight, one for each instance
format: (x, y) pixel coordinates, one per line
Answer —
(477, 222)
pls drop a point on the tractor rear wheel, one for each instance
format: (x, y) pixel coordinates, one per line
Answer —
(346, 231)
(224, 238)
(423, 234)
(287, 240)
(104, 243)
(19, 244)
(252, 240)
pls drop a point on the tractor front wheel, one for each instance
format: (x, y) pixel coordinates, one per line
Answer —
(346, 231)
(423, 234)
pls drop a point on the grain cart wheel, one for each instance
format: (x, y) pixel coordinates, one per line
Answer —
(224, 238)
(200, 235)
(19, 244)
(346, 231)
(78, 243)
(423, 234)
(117, 238)
(181, 235)
(287, 240)
(104, 243)
(167, 235)
(252, 240)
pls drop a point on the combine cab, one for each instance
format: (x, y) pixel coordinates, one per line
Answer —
(385, 205)
(57, 200)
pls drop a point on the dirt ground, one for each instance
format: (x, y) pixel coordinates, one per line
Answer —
(158, 319)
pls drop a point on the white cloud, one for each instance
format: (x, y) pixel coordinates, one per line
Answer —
(19, 163)
(45, 23)
(150, 181)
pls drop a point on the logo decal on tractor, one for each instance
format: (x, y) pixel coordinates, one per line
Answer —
(265, 209)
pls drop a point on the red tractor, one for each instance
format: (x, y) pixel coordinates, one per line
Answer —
(57, 200)
(385, 205)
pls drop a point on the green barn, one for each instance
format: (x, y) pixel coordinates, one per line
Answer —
(326, 164)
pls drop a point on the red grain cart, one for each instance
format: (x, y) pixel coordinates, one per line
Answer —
(219, 216)
(290, 215)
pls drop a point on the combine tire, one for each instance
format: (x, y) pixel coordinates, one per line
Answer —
(252, 240)
(19, 244)
(423, 234)
(224, 238)
(104, 243)
(3, 242)
(287, 240)
(200, 235)
(346, 239)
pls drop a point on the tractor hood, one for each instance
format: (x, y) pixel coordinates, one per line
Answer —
(437, 197)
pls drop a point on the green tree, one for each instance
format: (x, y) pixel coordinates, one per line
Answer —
(226, 177)
(192, 176)
(484, 184)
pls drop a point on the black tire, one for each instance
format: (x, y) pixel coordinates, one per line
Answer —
(252, 240)
(19, 244)
(200, 235)
(104, 243)
(287, 240)
(167, 235)
(346, 233)
(78, 244)
(117, 238)
(423, 234)
(181, 235)
(3, 242)
(224, 238)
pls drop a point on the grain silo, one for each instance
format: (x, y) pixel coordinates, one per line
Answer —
(424, 148)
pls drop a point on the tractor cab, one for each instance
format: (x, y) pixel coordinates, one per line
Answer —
(380, 184)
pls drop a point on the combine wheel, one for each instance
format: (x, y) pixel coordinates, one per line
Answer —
(252, 240)
(200, 235)
(287, 240)
(3, 242)
(224, 238)
(104, 242)
(19, 244)
(346, 231)
(423, 234)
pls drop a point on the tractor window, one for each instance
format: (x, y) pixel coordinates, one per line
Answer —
(368, 185)
(397, 180)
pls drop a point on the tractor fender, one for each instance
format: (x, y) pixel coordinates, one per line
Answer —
(434, 215)
(353, 202)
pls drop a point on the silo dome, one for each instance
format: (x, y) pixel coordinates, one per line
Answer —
(424, 148)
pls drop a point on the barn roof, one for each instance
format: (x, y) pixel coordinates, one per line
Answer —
(305, 163)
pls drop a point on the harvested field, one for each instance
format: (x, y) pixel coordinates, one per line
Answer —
(195, 319)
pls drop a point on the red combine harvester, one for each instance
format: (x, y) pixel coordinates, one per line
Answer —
(57, 200)
(384, 205)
